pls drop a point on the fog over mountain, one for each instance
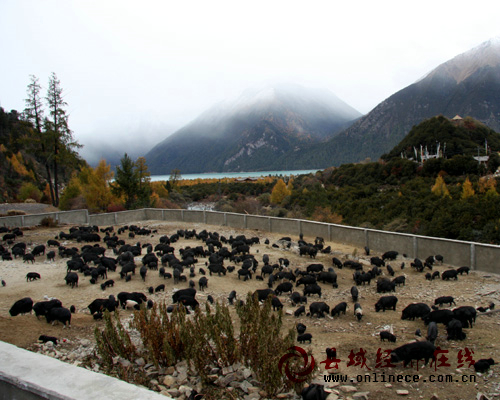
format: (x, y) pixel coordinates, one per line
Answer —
(253, 131)
(135, 141)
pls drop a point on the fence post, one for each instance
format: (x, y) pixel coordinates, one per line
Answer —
(367, 238)
(473, 256)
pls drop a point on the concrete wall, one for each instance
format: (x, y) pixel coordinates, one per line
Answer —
(258, 222)
(312, 230)
(235, 220)
(348, 235)
(285, 226)
(102, 219)
(215, 218)
(476, 255)
(30, 376)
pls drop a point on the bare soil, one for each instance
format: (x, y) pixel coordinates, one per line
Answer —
(344, 333)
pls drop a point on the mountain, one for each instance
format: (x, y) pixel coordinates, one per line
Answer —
(256, 131)
(467, 85)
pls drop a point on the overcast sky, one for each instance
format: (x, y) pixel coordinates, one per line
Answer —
(125, 65)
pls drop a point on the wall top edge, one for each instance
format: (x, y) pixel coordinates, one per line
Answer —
(271, 218)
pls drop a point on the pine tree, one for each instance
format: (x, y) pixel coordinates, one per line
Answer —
(61, 142)
(33, 113)
(126, 181)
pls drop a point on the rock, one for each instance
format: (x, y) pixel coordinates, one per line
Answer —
(332, 396)
(181, 377)
(170, 370)
(214, 371)
(140, 362)
(245, 385)
(402, 392)
(169, 381)
(388, 385)
(186, 390)
(348, 389)
(227, 370)
(252, 396)
(481, 396)
(173, 392)
(247, 373)
(361, 395)
(124, 363)
(223, 381)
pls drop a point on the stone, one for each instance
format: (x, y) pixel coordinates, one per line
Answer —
(181, 377)
(223, 381)
(124, 363)
(140, 362)
(227, 370)
(170, 370)
(214, 371)
(361, 395)
(186, 390)
(247, 373)
(245, 385)
(252, 396)
(332, 396)
(169, 381)
(402, 392)
(348, 389)
(173, 392)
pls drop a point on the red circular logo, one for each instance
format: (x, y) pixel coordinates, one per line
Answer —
(307, 367)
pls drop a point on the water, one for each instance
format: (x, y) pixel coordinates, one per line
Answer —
(240, 175)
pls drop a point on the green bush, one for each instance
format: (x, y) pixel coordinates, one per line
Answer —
(206, 340)
(29, 191)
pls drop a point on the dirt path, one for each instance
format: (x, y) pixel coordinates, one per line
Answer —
(344, 333)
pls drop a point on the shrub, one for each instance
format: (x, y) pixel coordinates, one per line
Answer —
(206, 340)
(15, 212)
(113, 207)
(48, 222)
(30, 191)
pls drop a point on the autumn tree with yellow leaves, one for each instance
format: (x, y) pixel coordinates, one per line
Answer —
(467, 189)
(440, 188)
(279, 192)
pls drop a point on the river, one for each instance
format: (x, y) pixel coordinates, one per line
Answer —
(240, 175)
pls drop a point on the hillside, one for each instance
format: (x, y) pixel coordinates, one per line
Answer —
(253, 132)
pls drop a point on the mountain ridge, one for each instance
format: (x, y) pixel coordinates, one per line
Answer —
(253, 131)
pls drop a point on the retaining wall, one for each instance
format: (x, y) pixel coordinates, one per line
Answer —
(25, 375)
(476, 255)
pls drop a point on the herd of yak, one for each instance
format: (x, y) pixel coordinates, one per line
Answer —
(217, 251)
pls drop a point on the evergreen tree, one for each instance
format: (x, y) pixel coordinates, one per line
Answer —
(126, 181)
(144, 176)
(33, 113)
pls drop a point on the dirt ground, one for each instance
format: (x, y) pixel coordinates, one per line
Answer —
(344, 333)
